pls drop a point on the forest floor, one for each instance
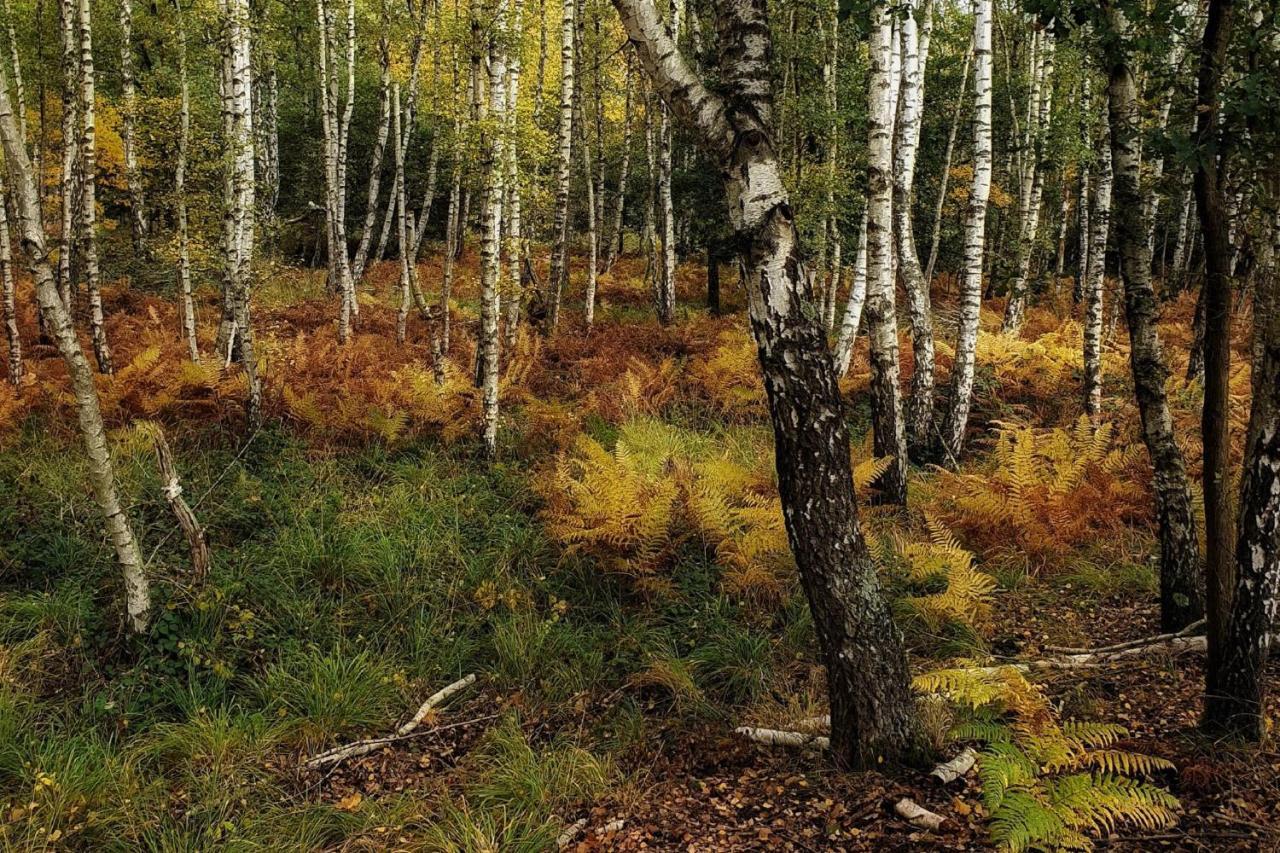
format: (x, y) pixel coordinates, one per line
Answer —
(364, 556)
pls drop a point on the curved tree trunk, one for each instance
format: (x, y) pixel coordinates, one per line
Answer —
(1180, 599)
(375, 165)
(945, 179)
(58, 321)
(962, 370)
(852, 319)
(871, 704)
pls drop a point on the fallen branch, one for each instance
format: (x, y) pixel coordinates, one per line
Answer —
(571, 832)
(1129, 644)
(612, 826)
(918, 816)
(774, 737)
(364, 747)
(1093, 660)
(187, 521)
(952, 770)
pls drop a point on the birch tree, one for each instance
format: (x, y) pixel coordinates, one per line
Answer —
(180, 191)
(666, 281)
(494, 169)
(1099, 228)
(559, 272)
(26, 203)
(613, 234)
(239, 210)
(871, 705)
(67, 19)
(512, 210)
(8, 292)
(886, 397)
(336, 103)
(128, 129)
(962, 370)
(945, 179)
(375, 164)
(1180, 599)
(916, 31)
(88, 236)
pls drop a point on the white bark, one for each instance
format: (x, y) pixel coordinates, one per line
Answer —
(375, 165)
(666, 282)
(491, 246)
(335, 123)
(513, 232)
(853, 308)
(128, 130)
(180, 192)
(402, 221)
(774, 737)
(945, 178)
(962, 371)
(613, 237)
(949, 771)
(8, 300)
(101, 473)
(1099, 228)
(918, 816)
(886, 397)
(88, 191)
(70, 150)
(564, 149)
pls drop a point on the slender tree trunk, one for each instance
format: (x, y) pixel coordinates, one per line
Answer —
(1064, 218)
(58, 320)
(1033, 183)
(375, 165)
(335, 122)
(88, 192)
(613, 244)
(267, 136)
(871, 706)
(1237, 697)
(70, 150)
(564, 150)
(1082, 208)
(8, 291)
(1220, 579)
(239, 186)
(1181, 247)
(589, 299)
(915, 38)
(666, 283)
(514, 296)
(1180, 598)
(962, 371)
(494, 168)
(853, 307)
(1099, 228)
(180, 192)
(128, 132)
(402, 219)
(944, 180)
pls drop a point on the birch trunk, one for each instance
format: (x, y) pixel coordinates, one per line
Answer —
(26, 203)
(267, 133)
(128, 133)
(853, 308)
(559, 272)
(8, 291)
(871, 705)
(375, 165)
(1033, 183)
(1082, 207)
(1180, 599)
(88, 191)
(915, 38)
(1099, 227)
(613, 240)
(666, 288)
(70, 150)
(514, 235)
(239, 217)
(494, 167)
(180, 192)
(335, 124)
(886, 397)
(1181, 246)
(402, 217)
(962, 371)
(945, 179)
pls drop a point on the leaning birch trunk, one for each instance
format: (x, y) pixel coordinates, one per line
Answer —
(870, 697)
(180, 193)
(915, 39)
(886, 397)
(564, 149)
(1181, 254)
(1029, 226)
(945, 179)
(428, 199)
(1099, 227)
(853, 308)
(8, 295)
(375, 166)
(494, 167)
(88, 192)
(128, 122)
(962, 371)
(238, 184)
(171, 488)
(1181, 602)
(58, 320)
(70, 151)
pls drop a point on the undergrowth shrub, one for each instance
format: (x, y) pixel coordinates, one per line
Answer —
(1046, 784)
(1043, 496)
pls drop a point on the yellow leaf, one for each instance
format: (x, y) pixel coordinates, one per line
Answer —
(349, 803)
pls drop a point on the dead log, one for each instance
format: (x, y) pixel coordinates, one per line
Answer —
(949, 771)
(774, 737)
(918, 816)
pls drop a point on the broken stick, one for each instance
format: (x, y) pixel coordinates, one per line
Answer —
(774, 737)
(918, 816)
